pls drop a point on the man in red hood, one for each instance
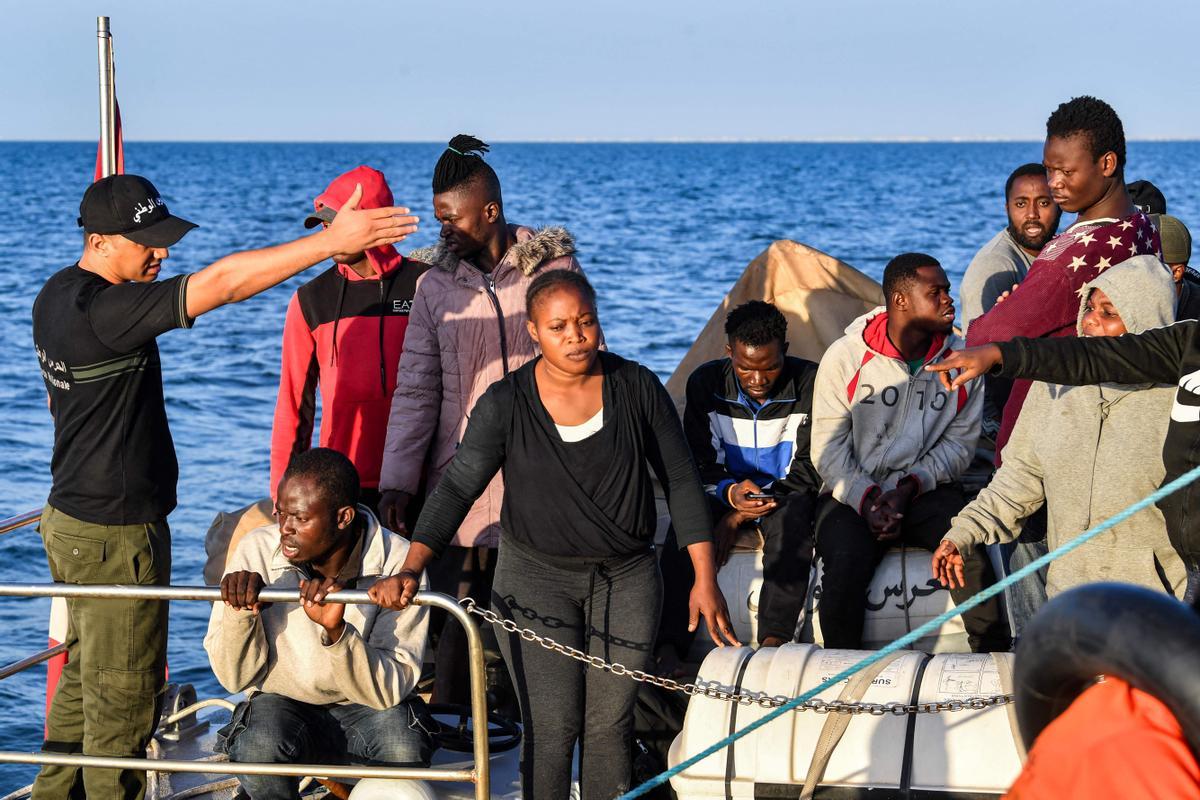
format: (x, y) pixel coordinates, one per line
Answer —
(344, 333)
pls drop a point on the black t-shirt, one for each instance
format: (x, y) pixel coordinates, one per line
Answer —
(114, 462)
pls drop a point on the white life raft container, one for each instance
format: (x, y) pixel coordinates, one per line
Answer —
(903, 583)
(962, 753)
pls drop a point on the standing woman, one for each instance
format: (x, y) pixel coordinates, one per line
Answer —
(576, 432)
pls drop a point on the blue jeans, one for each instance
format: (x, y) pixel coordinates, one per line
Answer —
(271, 728)
(1028, 595)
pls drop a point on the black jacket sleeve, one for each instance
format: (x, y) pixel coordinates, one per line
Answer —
(697, 427)
(802, 475)
(668, 454)
(1155, 356)
(478, 458)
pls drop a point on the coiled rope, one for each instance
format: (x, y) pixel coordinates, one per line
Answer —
(929, 627)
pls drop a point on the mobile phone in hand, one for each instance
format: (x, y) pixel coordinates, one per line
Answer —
(760, 496)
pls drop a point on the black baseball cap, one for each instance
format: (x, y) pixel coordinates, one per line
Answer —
(131, 206)
(1147, 197)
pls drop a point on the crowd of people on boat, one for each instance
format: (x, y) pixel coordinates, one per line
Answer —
(478, 437)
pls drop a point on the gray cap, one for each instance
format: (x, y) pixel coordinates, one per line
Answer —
(1176, 240)
(322, 214)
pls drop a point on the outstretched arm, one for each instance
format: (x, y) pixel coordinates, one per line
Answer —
(1154, 356)
(478, 459)
(242, 275)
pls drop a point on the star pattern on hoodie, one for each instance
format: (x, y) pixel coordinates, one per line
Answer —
(1103, 264)
(1076, 263)
(1115, 241)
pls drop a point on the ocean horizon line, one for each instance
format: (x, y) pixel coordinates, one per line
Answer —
(881, 140)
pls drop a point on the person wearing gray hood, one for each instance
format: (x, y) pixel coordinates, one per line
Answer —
(1086, 452)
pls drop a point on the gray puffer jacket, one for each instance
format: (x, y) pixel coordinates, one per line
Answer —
(466, 331)
(1087, 452)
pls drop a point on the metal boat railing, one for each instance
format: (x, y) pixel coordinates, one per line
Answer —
(20, 520)
(31, 661)
(478, 774)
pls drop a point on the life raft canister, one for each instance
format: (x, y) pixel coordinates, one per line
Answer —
(967, 753)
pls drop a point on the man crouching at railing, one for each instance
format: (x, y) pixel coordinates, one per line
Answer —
(326, 681)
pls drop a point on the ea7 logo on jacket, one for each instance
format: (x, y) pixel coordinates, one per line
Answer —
(401, 306)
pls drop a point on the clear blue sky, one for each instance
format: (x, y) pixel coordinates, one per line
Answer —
(400, 70)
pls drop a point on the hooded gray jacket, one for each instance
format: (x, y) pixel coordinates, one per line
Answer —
(1087, 452)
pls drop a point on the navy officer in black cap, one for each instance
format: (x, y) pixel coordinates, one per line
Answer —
(114, 469)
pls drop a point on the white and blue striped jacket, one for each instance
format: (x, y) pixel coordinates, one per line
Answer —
(734, 439)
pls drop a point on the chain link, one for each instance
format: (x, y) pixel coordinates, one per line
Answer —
(717, 691)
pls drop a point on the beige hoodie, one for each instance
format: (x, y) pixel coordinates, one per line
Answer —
(1087, 452)
(876, 423)
(376, 662)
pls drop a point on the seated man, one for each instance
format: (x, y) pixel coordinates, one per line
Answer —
(1087, 452)
(890, 445)
(325, 681)
(747, 422)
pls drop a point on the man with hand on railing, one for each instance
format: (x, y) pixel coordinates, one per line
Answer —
(326, 681)
(95, 325)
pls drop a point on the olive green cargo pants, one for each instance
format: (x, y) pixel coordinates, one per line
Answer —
(108, 697)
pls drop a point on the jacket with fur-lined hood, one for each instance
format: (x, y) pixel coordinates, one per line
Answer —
(1087, 452)
(876, 423)
(466, 331)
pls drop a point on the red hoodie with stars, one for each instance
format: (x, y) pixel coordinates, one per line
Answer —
(343, 336)
(1047, 301)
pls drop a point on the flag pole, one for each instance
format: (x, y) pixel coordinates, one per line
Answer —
(108, 126)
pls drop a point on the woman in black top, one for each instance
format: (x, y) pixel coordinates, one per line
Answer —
(576, 432)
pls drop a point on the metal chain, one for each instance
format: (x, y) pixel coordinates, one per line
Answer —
(717, 691)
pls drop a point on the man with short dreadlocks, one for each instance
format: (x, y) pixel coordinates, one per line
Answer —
(466, 331)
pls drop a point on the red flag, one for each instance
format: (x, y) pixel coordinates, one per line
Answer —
(119, 143)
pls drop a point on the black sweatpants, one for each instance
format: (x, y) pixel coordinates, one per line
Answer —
(787, 558)
(850, 553)
(608, 610)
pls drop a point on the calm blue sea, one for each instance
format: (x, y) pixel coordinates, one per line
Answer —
(662, 229)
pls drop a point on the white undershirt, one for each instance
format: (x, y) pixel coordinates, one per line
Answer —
(577, 433)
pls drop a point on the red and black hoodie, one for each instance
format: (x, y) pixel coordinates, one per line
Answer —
(344, 333)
